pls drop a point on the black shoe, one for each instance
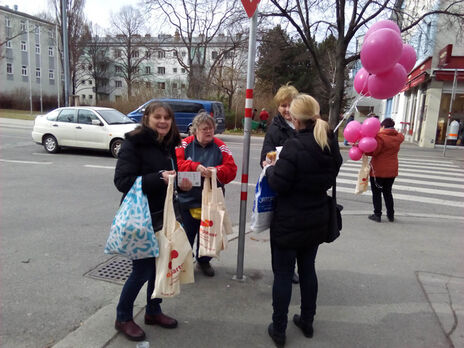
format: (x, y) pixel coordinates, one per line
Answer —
(206, 269)
(278, 338)
(161, 319)
(307, 328)
(391, 218)
(295, 278)
(374, 217)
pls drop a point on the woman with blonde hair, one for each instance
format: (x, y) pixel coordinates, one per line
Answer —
(307, 167)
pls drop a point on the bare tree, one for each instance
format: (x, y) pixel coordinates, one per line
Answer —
(134, 48)
(198, 24)
(317, 19)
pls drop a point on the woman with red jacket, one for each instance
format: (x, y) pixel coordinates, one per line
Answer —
(202, 152)
(384, 168)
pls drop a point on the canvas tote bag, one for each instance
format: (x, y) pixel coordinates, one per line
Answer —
(215, 222)
(174, 265)
(363, 176)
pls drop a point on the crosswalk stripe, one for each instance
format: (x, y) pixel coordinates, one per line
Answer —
(408, 170)
(413, 198)
(412, 188)
(424, 159)
(427, 164)
(412, 181)
(415, 174)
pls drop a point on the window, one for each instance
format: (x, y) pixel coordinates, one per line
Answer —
(37, 49)
(182, 70)
(147, 70)
(66, 115)
(37, 73)
(161, 54)
(147, 54)
(182, 86)
(174, 53)
(24, 70)
(135, 54)
(174, 70)
(85, 116)
(117, 53)
(90, 96)
(51, 74)
(161, 85)
(161, 70)
(8, 44)
(148, 84)
(117, 69)
(228, 55)
(214, 55)
(9, 68)
(8, 22)
(23, 46)
(22, 26)
(118, 83)
(174, 85)
(184, 53)
(83, 82)
(83, 97)
(117, 98)
(50, 51)
(37, 29)
(90, 82)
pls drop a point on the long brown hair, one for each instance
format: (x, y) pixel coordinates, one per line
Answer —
(173, 136)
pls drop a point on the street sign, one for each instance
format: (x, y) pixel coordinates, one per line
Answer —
(250, 6)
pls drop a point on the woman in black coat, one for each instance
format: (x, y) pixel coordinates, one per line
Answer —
(307, 167)
(149, 152)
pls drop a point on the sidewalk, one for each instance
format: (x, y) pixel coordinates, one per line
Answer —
(380, 285)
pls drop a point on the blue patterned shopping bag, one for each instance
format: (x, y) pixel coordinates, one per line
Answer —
(131, 232)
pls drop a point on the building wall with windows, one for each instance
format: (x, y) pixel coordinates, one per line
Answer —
(29, 58)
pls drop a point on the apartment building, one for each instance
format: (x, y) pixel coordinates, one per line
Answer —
(30, 65)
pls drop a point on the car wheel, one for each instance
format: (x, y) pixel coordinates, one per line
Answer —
(115, 147)
(50, 144)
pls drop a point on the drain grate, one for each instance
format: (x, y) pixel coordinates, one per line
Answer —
(116, 270)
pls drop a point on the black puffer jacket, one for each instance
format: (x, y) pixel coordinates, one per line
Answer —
(301, 178)
(142, 155)
(276, 135)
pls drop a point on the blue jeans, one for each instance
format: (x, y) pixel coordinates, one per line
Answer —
(192, 227)
(283, 266)
(142, 270)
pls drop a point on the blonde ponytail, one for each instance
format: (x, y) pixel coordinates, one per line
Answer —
(320, 133)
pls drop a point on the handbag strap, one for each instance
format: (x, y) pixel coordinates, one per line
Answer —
(168, 203)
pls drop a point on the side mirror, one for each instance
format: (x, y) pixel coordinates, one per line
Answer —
(97, 123)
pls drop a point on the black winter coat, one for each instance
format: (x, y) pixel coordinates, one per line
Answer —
(301, 178)
(276, 135)
(142, 155)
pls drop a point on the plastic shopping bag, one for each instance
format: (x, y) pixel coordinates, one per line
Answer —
(363, 176)
(263, 205)
(131, 233)
(174, 266)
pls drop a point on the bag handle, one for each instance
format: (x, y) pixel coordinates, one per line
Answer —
(168, 203)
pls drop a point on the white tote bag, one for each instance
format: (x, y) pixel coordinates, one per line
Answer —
(174, 265)
(215, 222)
(363, 176)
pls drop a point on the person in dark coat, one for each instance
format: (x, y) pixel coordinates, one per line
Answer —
(384, 169)
(149, 152)
(307, 167)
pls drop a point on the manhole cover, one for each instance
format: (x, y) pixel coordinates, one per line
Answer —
(115, 270)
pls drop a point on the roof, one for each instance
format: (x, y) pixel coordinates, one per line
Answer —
(25, 15)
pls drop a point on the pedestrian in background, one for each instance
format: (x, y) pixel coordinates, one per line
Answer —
(307, 167)
(263, 116)
(202, 152)
(348, 120)
(149, 152)
(281, 127)
(384, 168)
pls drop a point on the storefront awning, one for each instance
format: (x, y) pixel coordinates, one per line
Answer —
(449, 75)
(418, 75)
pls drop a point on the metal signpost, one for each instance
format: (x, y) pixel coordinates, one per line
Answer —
(250, 8)
(64, 31)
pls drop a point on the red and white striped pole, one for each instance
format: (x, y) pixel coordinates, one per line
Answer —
(246, 144)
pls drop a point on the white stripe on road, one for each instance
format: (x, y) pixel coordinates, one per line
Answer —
(101, 167)
(424, 159)
(428, 165)
(24, 162)
(403, 170)
(413, 175)
(412, 188)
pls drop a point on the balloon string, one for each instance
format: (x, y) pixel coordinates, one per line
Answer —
(350, 110)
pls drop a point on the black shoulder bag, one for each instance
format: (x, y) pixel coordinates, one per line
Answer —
(335, 215)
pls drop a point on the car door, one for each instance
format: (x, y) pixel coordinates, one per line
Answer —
(63, 127)
(90, 135)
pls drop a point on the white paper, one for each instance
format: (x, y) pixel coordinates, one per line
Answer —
(194, 177)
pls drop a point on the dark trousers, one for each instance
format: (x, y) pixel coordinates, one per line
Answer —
(192, 227)
(142, 270)
(379, 186)
(283, 266)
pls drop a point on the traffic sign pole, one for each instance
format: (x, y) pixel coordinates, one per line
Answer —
(246, 144)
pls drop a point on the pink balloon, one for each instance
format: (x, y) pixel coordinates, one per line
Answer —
(352, 131)
(367, 144)
(386, 85)
(408, 57)
(370, 127)
(381, 25)
(381, 51)
(355, 153)
(360, 82)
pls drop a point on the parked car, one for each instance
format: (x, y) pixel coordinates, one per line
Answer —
(185, 110)
(83, 127)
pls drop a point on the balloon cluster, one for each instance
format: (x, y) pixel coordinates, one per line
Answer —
(362, 136)
(386, 61)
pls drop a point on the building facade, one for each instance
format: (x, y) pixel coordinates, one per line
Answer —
(30, 64)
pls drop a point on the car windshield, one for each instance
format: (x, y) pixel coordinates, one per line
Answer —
(114, 117)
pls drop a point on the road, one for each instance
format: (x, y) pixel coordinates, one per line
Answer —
(56, 211)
